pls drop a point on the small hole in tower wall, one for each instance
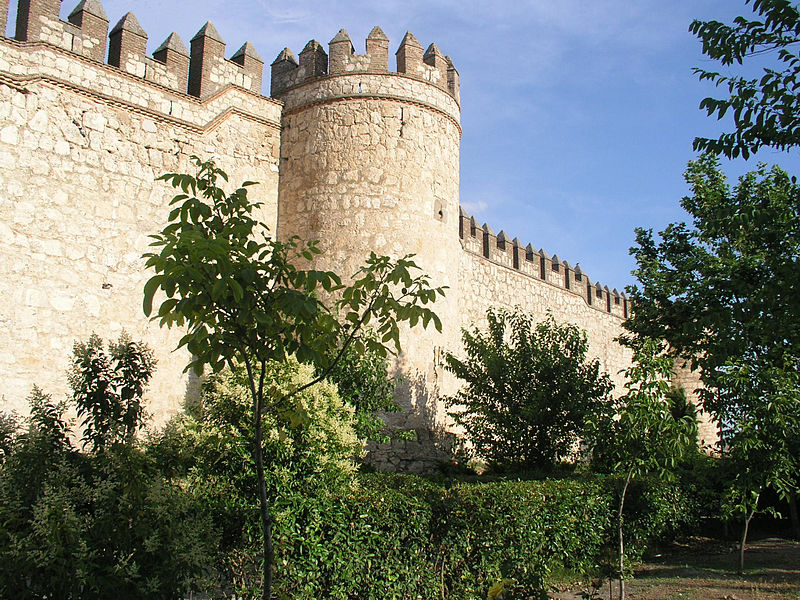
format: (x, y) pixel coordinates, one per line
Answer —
(438, 211)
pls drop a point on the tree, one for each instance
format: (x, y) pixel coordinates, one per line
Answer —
(759, 411)
(722, 292)
(643, 436)
(107, 388)
(240, 297)
(766, 110)
(529, 388)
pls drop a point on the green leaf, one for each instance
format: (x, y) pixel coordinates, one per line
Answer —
(149, 291)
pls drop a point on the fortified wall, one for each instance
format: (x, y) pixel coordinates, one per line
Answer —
(348, 152)
(81, 143)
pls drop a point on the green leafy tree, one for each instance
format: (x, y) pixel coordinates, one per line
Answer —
(240, 296)
(528, 390)
(760, 418)
(643, 437)
(766, 110)
(721, 292)
(108, 387)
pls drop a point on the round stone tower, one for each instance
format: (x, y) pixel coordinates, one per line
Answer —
(370, 163)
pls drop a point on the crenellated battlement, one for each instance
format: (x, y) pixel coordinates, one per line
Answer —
(200, 72)
(431, 65)
(498, 248)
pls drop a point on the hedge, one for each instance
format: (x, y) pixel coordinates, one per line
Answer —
(399, 536)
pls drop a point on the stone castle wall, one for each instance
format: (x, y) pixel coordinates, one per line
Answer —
(495, 281)
(362, 158)
(81, 144)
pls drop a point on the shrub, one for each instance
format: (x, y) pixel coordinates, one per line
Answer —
(519, 530)
(656, 511)
(309, 445)
(76, 525)
(107, 387)
(529, 389)
(363, 381)
(401, 536)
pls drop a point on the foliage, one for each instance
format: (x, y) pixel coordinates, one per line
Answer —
(210, 450)
(213, 443)
(74, 525)
(313, 431)
(241, 297)
(761, 429)
(655, 511)
(681, 407)
(643, 436)
(719, 291)
(717, 288)
(363, 381)
(8, 427)
(107, 388)
(368, 542)
(529, 389)
(519, 530)
(390, 535)
(766, 110)
(764, 443)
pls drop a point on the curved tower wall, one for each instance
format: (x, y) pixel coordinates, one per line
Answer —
(370, 163)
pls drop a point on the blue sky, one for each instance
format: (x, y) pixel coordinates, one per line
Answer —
(578, 115)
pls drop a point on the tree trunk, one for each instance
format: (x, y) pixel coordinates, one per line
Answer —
(621, 538)
(793, 516)
(740, 570)
(257, 393)
(266, 517)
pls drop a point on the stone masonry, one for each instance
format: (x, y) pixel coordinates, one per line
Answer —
(347, 151)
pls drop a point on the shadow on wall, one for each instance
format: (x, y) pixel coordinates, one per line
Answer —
(192, 398)
(432, 447)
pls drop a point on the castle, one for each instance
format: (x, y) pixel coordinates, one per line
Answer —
(346, 151)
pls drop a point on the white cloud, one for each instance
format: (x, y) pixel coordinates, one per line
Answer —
(477, 206)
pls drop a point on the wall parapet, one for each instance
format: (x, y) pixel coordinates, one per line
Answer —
(24, 65)
(482, 241)
(200, 73)
(430, 66)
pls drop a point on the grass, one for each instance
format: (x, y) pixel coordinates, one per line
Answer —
(705, 569)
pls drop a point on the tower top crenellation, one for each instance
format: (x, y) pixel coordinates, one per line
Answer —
(341, 59)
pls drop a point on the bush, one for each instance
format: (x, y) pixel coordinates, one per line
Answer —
(656, 511)
(370, 542)
(401, 536)
(363, 381)
(76, 525)
(519, 530)
(107, 388)
(309, 446)
(529, 390)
